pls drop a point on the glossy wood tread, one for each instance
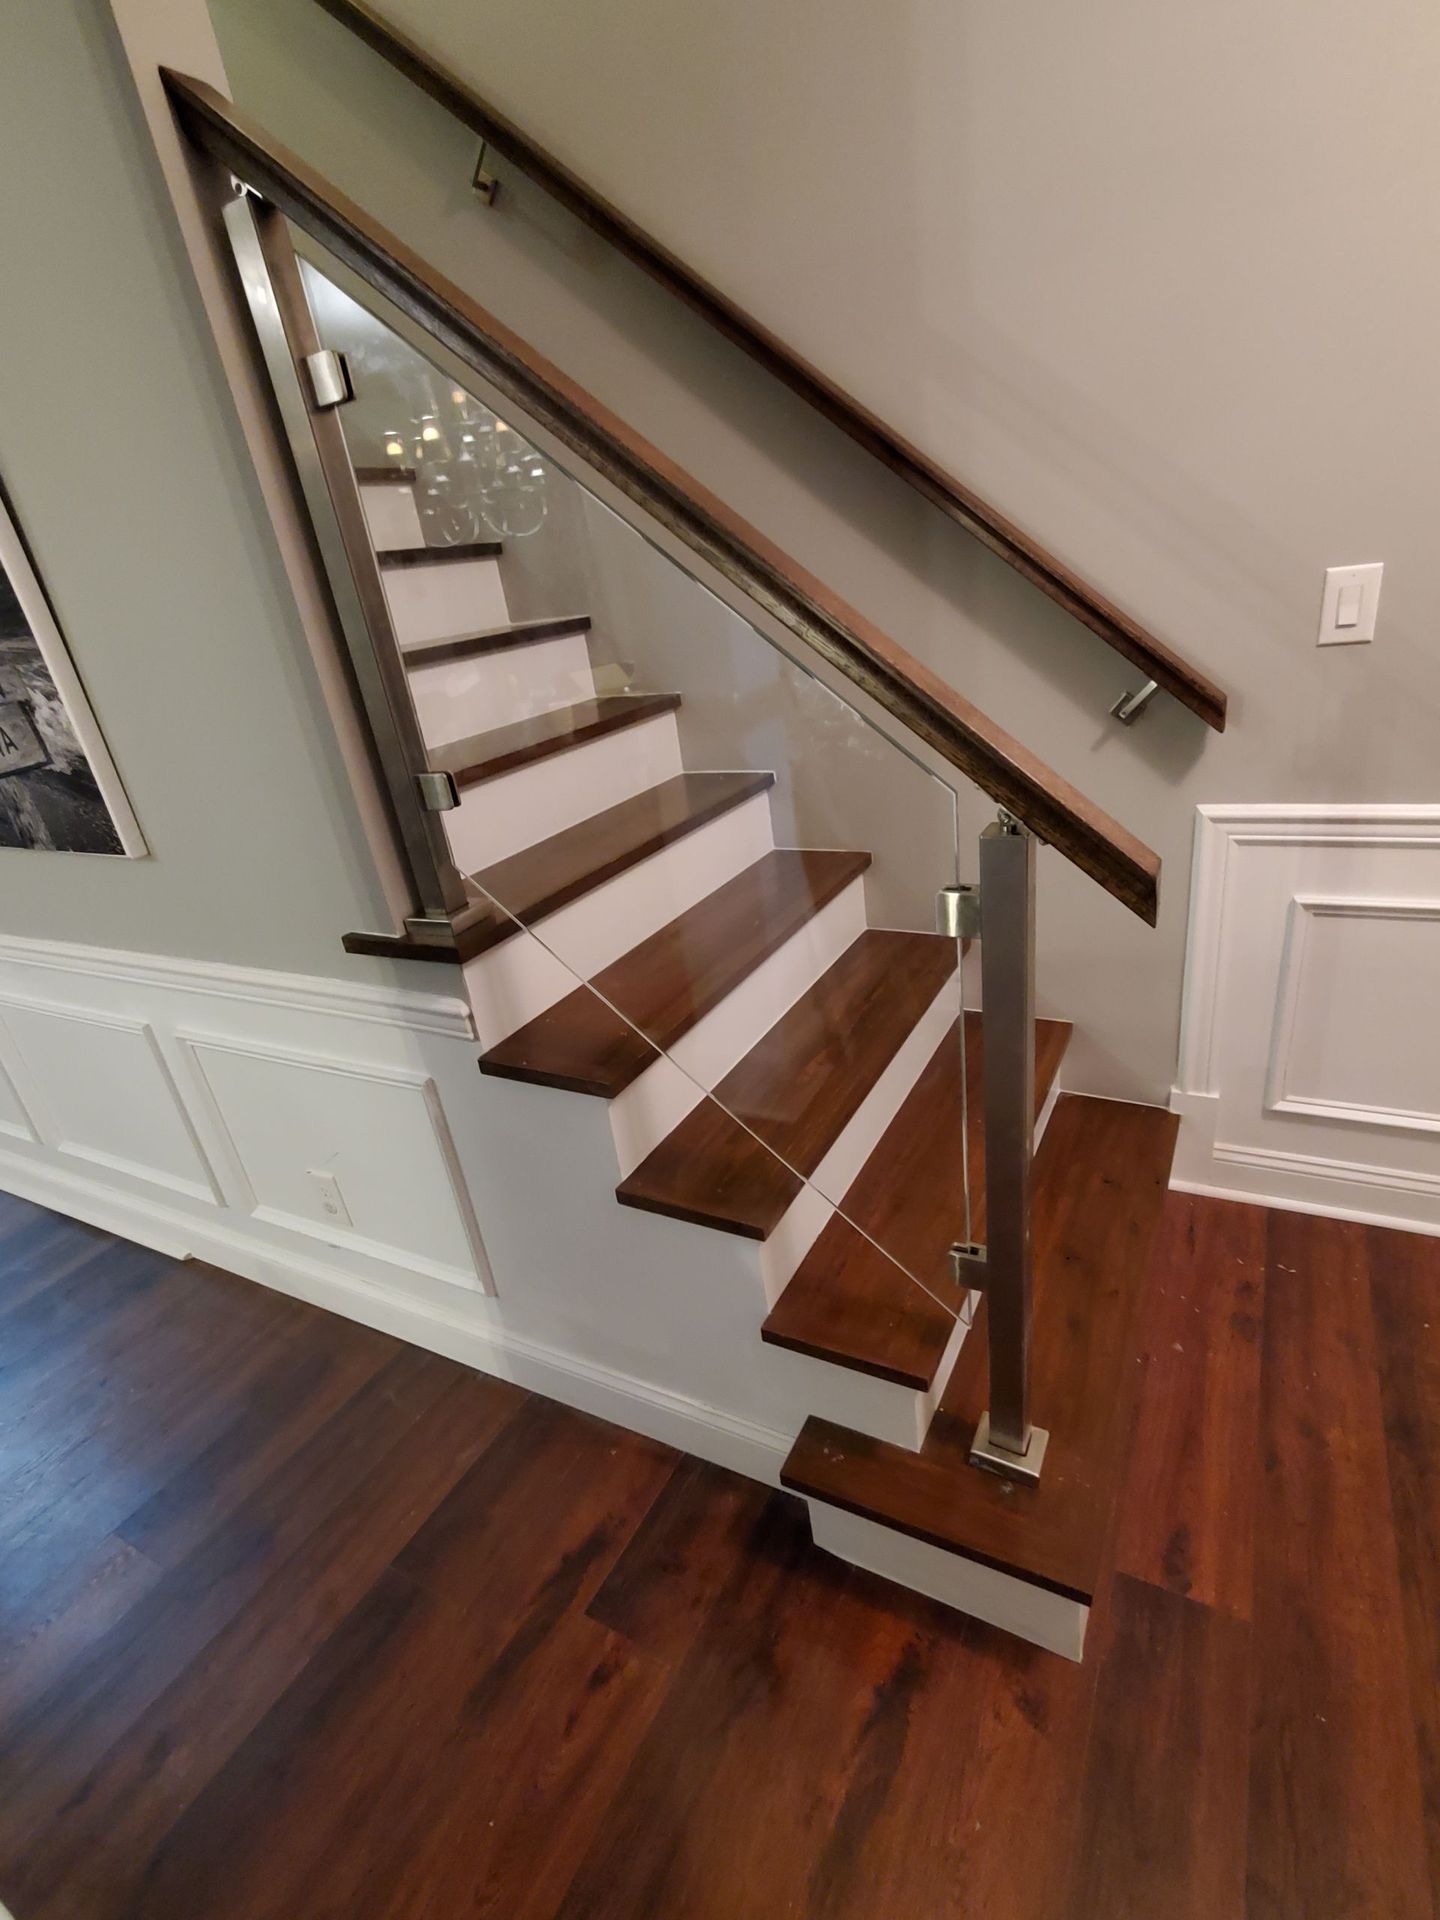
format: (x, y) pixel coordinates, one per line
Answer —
(397, 559)
(673, 979)
(484, 756)
(519, 633)
(1098, 1196)
(737, 1159)
(543, 878)
(875, 1291)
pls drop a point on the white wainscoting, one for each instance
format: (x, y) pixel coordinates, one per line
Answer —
(1310, 1037)
(184, 1105)
(217, 1090)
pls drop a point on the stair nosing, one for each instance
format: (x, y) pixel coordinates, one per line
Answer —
(519, 633)
(483, 936)
(790, 1178)
(850, 867)
(853, 1363)
(401, 559)
(476, 772)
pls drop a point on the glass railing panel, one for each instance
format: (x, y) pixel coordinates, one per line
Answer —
(706, 881)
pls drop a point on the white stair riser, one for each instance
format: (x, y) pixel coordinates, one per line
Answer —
(859, 1401)
(1032, 1613)
(391, 516)
(500, 816)
(656, 1103)
(458, 697)
(520, 978)
(805, 1218)
(432, 602)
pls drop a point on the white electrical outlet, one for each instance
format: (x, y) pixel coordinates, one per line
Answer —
(1352, 599)
(332, 1201)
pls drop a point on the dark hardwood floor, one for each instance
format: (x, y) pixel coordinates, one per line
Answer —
(299, 1623)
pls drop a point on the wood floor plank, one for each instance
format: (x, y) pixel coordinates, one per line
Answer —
(972, 1809)
(444, 1649)
(307, 1383)
(549, 1508)
(1188, 1507)
(60, 1623)
(1405, 1299)
(1162, 1827)
(94, 1703)
(679, 1557)
(118, 1811)
(503, 1568)
(1335, 1800)
(795, 1699)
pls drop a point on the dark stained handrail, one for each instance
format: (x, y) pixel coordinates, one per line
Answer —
(1014, 546)
(963, 736)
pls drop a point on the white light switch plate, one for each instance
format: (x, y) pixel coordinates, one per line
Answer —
(1352, 599)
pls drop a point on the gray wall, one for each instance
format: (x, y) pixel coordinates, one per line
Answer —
(1100, 262)
(126, 466)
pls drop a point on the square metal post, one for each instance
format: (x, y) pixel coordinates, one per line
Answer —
(1006, 1442)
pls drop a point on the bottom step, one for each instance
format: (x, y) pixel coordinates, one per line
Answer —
(1025, 1558)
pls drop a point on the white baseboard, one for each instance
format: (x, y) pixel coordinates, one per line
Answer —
(672, 1418)
(1292, 1181)
(1308, 1058)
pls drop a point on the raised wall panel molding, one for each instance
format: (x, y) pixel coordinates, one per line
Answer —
(16, 1120)
(1314, 932)
(1282, 1095)
(446, 1326)
(94, 1096)
(406, 1175)
(387, 1006)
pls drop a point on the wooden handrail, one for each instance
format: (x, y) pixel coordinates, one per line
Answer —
(902, 685)
(1014, 546)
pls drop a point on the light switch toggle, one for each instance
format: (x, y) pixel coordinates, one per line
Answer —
(1352, 599)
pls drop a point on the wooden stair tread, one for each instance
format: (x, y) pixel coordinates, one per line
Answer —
(796, 1089)
(853, 1300)
(673, 979)
(518, 633)
(1101, 1178)
(396, 559)
(540, 879)
(483, 756)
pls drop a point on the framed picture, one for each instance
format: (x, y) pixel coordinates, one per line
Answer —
(59, 791)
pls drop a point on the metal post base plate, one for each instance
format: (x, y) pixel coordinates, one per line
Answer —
(992, 1458)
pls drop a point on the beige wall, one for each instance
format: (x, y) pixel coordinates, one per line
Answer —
(1160, 282)
(120, 448)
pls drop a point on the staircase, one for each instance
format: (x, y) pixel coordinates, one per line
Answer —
(826, 1166)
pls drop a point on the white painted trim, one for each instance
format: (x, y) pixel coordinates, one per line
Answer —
(1275, 1174)
(479, 1279)
(207, 1189)
(459, 1333)
(1218, 830)
(1305, 909)
(446, 1014)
